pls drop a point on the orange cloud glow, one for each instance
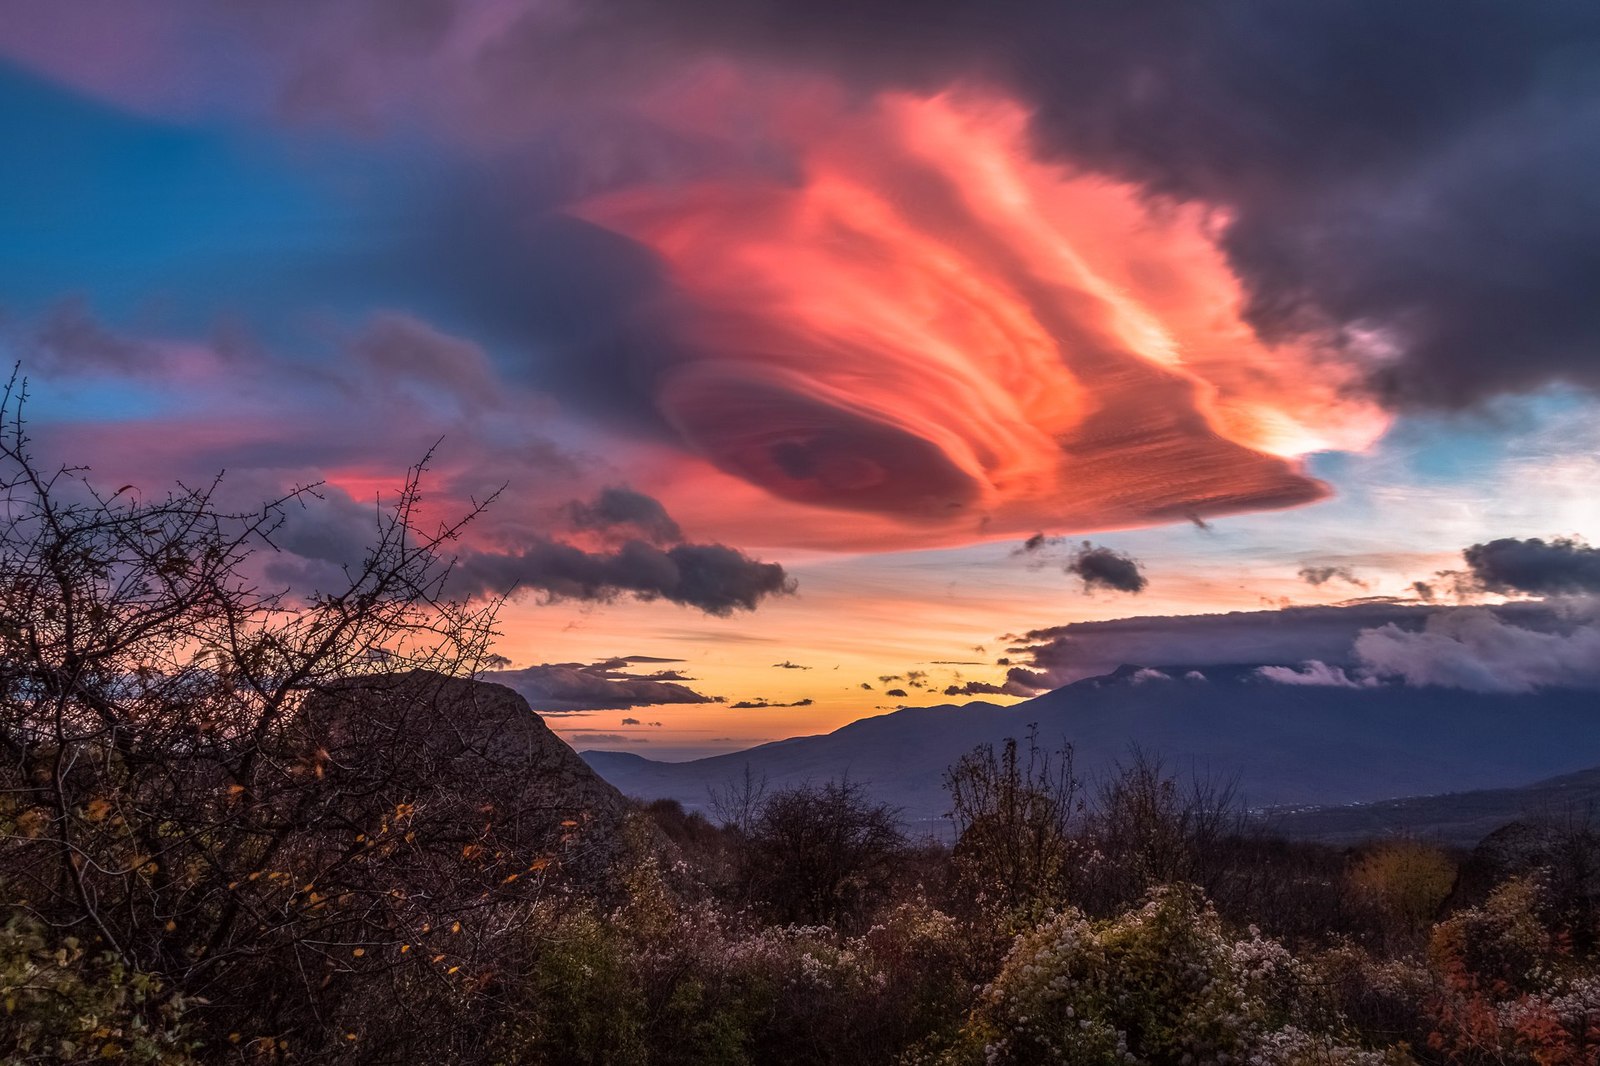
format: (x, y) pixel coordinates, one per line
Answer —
(924, 327)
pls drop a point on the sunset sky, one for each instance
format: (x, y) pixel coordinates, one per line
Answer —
(824, 352)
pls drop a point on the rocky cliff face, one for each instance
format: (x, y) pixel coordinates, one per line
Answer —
(469, 761)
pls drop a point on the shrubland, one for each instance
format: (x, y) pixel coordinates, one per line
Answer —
(240, 824)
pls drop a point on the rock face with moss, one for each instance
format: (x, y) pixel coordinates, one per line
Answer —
(472, 761)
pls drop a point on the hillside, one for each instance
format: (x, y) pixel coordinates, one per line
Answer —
(1287, 745)
(1461, 819)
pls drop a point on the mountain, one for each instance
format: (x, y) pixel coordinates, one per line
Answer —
(1461, 819)
(1287, 745)
(470, 757)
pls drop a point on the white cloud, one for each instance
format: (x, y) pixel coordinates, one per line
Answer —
(1314, 672)
(1475, 650)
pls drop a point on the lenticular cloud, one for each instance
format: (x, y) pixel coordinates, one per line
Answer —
(921, 324)
(884, 317)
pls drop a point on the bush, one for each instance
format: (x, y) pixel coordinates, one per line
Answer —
(1150, 828)
(1160, 984)
(821, 854)
(1013, 818)
(1407, 882)
(1509, 989)
(65, 1004)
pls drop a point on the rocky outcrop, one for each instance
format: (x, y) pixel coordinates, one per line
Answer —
(471, 765)
(1563, 855)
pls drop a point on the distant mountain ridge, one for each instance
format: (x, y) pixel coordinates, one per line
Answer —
(1461, 819)
(1286, 744)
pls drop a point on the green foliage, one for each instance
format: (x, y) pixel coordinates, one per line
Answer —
(575, 1002)
(64, 1004)
(1013, 814)
(1407, 880)
(668, 983)
(1161, 984)
(821, 853)
(273, 840)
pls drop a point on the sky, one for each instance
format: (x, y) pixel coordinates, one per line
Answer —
(829, 358)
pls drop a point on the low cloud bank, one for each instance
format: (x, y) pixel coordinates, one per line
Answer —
(1473, 649)
(1313, 673)
(1512, 647)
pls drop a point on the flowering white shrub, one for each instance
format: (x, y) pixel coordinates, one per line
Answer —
(1291, 1046)
(1159, 985)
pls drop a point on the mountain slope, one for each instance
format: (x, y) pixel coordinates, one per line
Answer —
(1458, 818)
(1287, 745)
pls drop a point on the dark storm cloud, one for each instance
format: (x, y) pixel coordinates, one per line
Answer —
(603, 686)
(320, 536)
(1419, 181)
(713, 578)
(323, 534)
(1102, 568)
(984, 688)
(71, 341)
(1321, 575)
(620, 665)
(1553, 567)
(618, 506)
(397, 347)
(329, 528)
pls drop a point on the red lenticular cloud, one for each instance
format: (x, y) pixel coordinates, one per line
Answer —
(925, 327)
